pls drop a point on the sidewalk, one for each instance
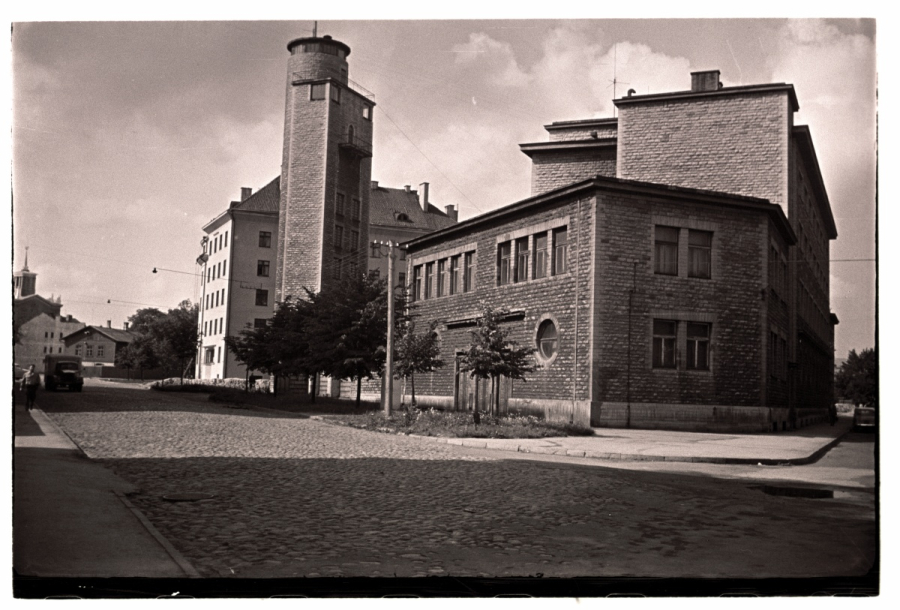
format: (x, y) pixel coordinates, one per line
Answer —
(802, 446)
(71, 516)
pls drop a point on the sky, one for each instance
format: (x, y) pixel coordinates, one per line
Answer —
(127, 137)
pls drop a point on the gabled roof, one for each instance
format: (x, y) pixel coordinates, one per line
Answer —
(265, 199)
(400, 208)
(113, 334)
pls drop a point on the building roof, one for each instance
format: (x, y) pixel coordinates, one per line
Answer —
(265, 199)
(117, 335)
(400, 208)
(607, 183)
(724, 91)
(804, 139)
(33, 305)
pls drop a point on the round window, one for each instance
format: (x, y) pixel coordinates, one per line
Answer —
(547, 339)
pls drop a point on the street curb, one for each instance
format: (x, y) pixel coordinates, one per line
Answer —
(177, 557)
(637, 457)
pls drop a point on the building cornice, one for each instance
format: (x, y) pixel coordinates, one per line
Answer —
(724, 92)
(567, 145)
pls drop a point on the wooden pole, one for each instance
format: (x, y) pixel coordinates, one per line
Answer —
(388, 398)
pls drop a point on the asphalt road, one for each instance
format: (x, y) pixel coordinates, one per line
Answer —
(292, 497)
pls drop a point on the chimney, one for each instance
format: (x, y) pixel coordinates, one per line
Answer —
(246, 191)
(452, 213)
(126, 325)
(374, 184)
(109, 324)
(406, 186)
(423, 197)
(707, 80)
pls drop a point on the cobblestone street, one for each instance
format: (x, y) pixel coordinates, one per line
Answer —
(298, 497)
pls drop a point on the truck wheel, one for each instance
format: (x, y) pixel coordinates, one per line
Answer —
(78, 388)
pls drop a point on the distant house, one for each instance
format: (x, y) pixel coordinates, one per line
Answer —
(38, 321)
(97, 345)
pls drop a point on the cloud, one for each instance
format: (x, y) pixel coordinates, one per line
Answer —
(494, 60)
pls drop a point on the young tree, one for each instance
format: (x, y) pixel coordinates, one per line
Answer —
(857, 379)
(416, 353)
(492, 355)
(176, 336)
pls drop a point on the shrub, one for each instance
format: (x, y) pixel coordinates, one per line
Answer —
(173, 384)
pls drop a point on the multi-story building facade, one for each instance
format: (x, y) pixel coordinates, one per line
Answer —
(237, 266)
(671, 268)
(237, 277)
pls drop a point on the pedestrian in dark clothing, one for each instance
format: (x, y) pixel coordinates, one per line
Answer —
(30, 383)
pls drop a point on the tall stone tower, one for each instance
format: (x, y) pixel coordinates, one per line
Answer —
(326, 170)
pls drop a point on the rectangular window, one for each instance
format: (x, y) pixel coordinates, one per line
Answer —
(354, 208)
(338, 236)
(666, 251)
(367, 112)
(262, 268)
(417, 283)
(454, 274)
(376, 251)
(77, 350)
(209, 355)
(208, 275)
(560, 251)
(205, 333)
(441, 274)
(89, 350)
(224, 267)
(45, 349)
(354, 268)
(540, 256)
(429, 274)
(339, 204)
(698, 346)
(402, 280)
(226, 240)
(260, 322)
(335, 93)
(220, 354)
(664, 333)
(354, 241)
(504, 252)
(216, 302)
(317, 91)
(100, 351)
(521, 271)
(336, 269)
(265, 239)
(699, 254)
(469, 272)
(262, 298)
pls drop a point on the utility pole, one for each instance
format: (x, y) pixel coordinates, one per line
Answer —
(388, 397)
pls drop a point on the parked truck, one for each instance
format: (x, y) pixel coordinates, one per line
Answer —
(63, 370)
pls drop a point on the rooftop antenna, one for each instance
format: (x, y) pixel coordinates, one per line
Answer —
(315, 28)
(615, 80)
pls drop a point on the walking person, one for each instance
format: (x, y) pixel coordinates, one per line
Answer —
(30, 383)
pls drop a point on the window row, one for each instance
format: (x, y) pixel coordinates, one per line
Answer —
(533, 257)
(59, 350)
(340, 206)
(668, 243)
(214, 299)
(379, 251)
(351, 237)
(213, 327)
(442, 278)
(88, 350)
(218, 242)
(695, 346)
(216, 271)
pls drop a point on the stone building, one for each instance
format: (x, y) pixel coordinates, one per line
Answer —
(670, 269)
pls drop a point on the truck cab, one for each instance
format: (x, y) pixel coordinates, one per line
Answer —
(63, 370)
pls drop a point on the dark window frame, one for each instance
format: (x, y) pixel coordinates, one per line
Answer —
(262, 297)
(662, 243)
(664, 344)
(262, 268)
(265, 239)
(560, 262)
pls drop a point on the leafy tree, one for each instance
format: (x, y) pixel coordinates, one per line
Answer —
(347, 326)
(416, 353)
(857, 379)
(492, 355)
(139, 354)
(175, 335)
(143, 320)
